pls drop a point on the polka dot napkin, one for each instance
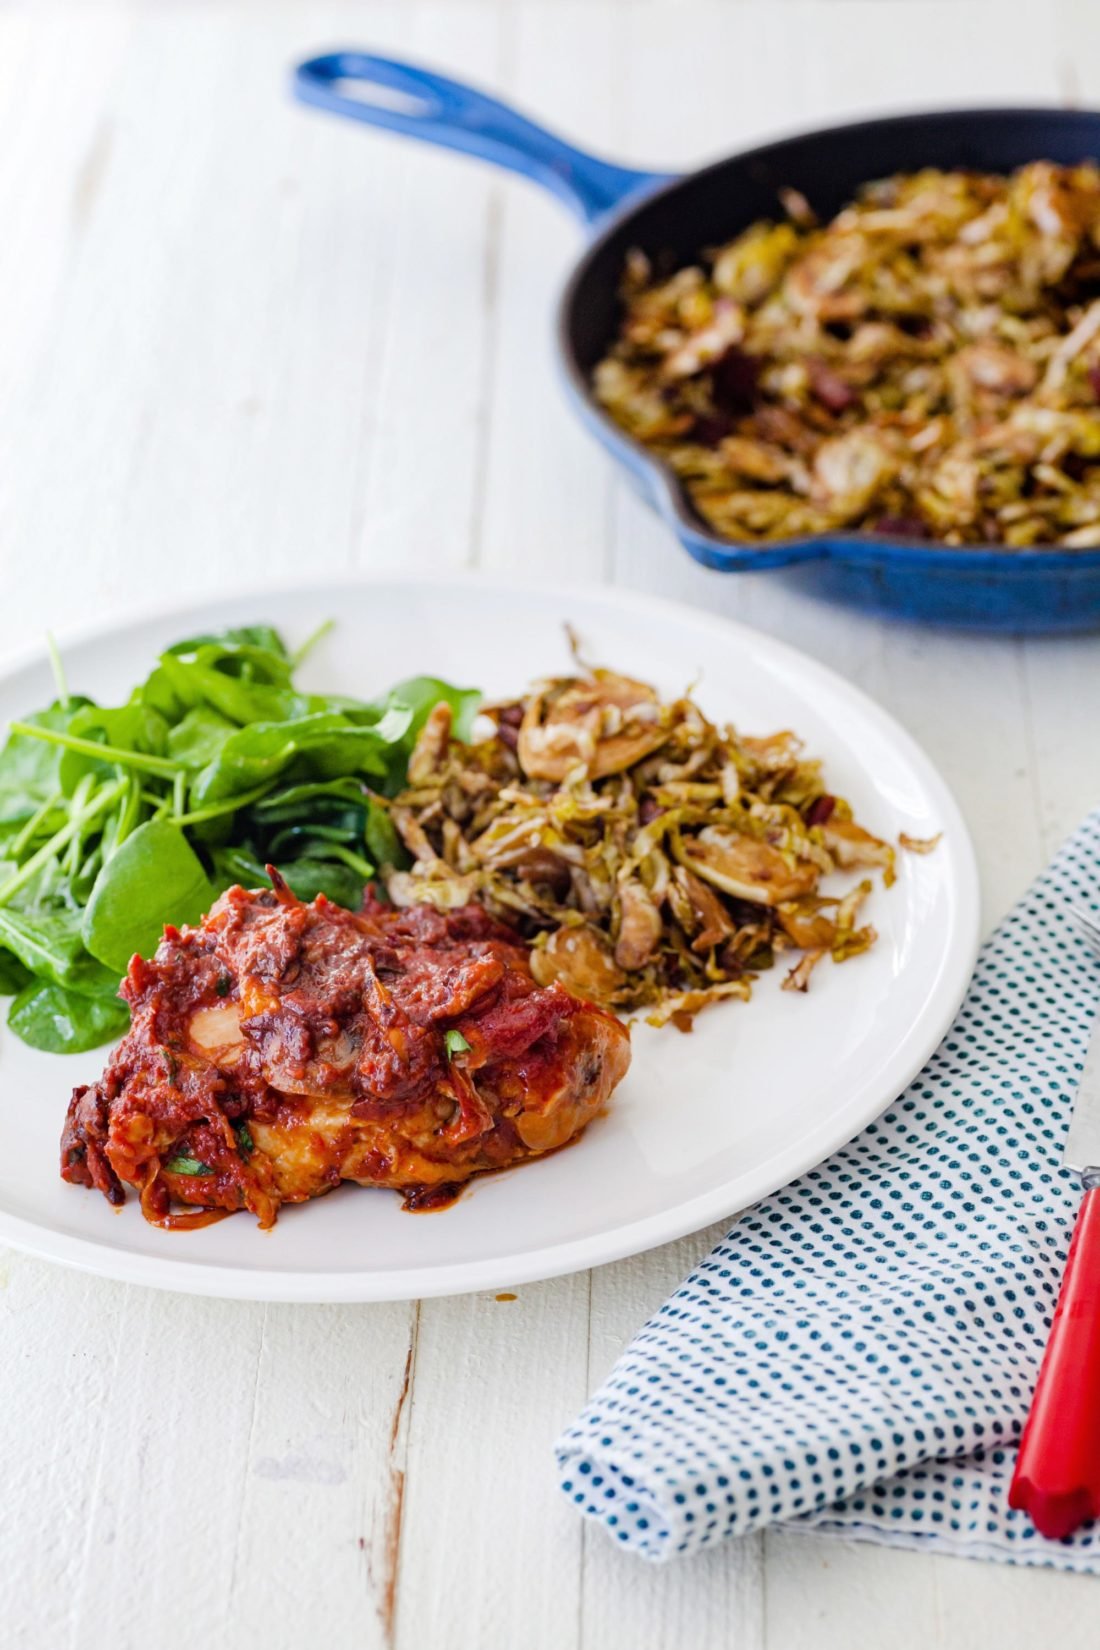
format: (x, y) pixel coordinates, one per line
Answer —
(857, 1354)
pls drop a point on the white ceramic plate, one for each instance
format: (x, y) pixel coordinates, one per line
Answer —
(703, 1124)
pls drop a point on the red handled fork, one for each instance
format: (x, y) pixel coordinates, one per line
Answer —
(1057, 1477)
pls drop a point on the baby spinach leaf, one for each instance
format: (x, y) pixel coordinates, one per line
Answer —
(263, 637)
(288, 801)
(49, 1017)
(181, 684)
(13, 975)
(155, 877)
(313, 833)
(236, 864)
(320, 746)
(50, 945)
(309, 876)
(330, 821)
(305, 877)
(422, 693)
(29, 767)
(199, 736)
(133, 727)
(380, 833)
(417, 697)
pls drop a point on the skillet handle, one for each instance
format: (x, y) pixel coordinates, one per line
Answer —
(444, 112)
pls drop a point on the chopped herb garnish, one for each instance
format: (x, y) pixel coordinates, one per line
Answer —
(187, 1165)
(171, 1065)
(456, 1044)
(245, 1140)
(222, 987)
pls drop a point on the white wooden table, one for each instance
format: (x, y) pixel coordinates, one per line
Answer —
(239, 341)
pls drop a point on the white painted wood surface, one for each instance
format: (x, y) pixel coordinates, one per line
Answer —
(239, 340)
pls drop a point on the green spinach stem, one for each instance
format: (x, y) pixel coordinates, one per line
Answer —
(30, 829)
(231, 805)
(361, 866)
(310, 643)
(161, 766)
(60, 839)
(58, 670)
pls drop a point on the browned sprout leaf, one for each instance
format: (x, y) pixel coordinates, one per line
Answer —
(652, 859)
(919, 844)
(799, 977)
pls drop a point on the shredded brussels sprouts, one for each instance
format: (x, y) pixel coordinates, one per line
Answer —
(652, 859)
(926, 365)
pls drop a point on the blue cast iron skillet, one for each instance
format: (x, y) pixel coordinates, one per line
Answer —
(991, 588)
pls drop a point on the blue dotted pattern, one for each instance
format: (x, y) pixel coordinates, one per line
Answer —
(858, 1353)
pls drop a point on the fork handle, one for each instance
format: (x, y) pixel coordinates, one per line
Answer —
(1057, 1478)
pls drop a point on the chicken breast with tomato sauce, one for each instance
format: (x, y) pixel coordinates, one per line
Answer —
(280, 1047)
